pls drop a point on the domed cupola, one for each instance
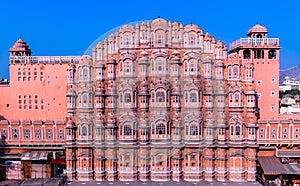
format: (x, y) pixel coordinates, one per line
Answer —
(207, 36)
(257, 31)
(20, 48)
(70, 124)
(143, 56)
(175, 55)
(250, 90)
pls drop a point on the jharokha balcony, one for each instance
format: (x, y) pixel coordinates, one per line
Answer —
(252, 42)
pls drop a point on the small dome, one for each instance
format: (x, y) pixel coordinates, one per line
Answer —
(71, 91)
(175, 53)
(207, 36)
(112, 60)
(257, 29)
(20, 45)
(176, 58)
(219, 63)
(70, 123)
(159, 21)
(143, 53)
(250, 88)
(252, 121)
(143, 56)
(175, 90)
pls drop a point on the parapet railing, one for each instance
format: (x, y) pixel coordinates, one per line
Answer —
(44, 59)
(250, 42)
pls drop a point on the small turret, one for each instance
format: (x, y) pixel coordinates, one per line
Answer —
(20, 48)
(257, 31)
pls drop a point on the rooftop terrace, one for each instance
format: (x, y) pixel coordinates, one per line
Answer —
(252, 42)
(44, 59)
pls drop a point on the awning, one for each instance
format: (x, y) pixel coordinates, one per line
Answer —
(61, 160)
(287, 153)
(34, 156)
(270, 165)
(9, 156)
(291, 169)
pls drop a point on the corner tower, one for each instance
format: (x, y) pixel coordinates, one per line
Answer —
(263, 53)
(19, 49)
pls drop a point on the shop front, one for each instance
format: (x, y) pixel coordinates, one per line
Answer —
(35, 165)
(278, 171)
(10, 166)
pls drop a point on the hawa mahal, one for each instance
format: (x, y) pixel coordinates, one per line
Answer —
(155, 100)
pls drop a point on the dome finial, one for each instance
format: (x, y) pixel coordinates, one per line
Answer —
(158, 16)
(257, 22)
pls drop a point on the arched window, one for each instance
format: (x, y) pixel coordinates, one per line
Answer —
(159, 66)
(237, 130)
(84, 99)
(272, 54)
(193, 97)
(127, 66)
(84, 131)
(230, 98)
(127, 130)
(85, 74)
(160, 96)
(152, 96)
(246, 54)
(160, 128)
(127, 39)
(159, 38)
(236, 97)
(258, 54)
(159, 160)
(194, 130)
(235, 72)
(229, 72)
(84, 163)
(192, 66)
(231, 130)
(186, 97)
(143, 35)
(127, 98)
(192, 39)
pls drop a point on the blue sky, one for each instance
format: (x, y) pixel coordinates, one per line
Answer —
(57, 27)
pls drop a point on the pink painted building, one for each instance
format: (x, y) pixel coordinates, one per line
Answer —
(157, 101)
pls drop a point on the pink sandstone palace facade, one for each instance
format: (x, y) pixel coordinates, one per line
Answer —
(157, 101)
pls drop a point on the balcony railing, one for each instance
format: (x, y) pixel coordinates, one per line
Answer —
(44, 59)
(250, 42)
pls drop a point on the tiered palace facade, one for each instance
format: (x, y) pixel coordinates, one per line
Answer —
(157, 101)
